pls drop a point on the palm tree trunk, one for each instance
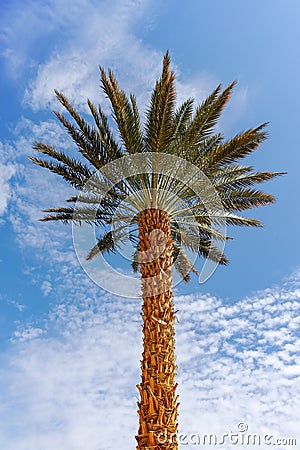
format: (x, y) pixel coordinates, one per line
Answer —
(158, 403)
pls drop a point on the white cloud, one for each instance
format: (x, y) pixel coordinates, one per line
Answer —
(28, 334)
(35, 189)
(46, 288)
(27, 28)
(6, 173)
(8, 168)
(75, 388)
(67, 390)
(249, 377)
(89, 35)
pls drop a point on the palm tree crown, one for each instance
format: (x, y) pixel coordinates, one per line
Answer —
(183, 132)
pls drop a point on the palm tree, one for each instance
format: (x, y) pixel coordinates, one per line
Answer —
(165, 215)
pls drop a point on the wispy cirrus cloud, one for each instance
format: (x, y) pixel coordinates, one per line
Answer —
(90, 34)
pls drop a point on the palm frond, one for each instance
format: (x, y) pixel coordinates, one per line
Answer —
(125, 111)
(230, 173)
(233, 219)
(111, 147)
(78, 215)
(238, 147)
(105, 244)
(84, 135)
(91, 198)
(109, 241)
(182, 264)
(241, 199)
(197, 156)
(74, 177)
(160, 126)
(242, 178)
(183, 116)
(219, 217)
(135, 263)
(203, 244)
(206, 117)
(210, 251)
(72, 163)
(195, 227)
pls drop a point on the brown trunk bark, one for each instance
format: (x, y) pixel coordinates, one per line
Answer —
(158, 403)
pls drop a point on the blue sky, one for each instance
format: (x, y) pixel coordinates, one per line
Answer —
(69, 350)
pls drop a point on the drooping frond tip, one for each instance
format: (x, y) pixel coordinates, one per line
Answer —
(104, 244)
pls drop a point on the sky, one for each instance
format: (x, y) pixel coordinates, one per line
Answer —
(69, 349)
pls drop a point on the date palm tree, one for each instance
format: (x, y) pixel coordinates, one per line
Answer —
(166, 217)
